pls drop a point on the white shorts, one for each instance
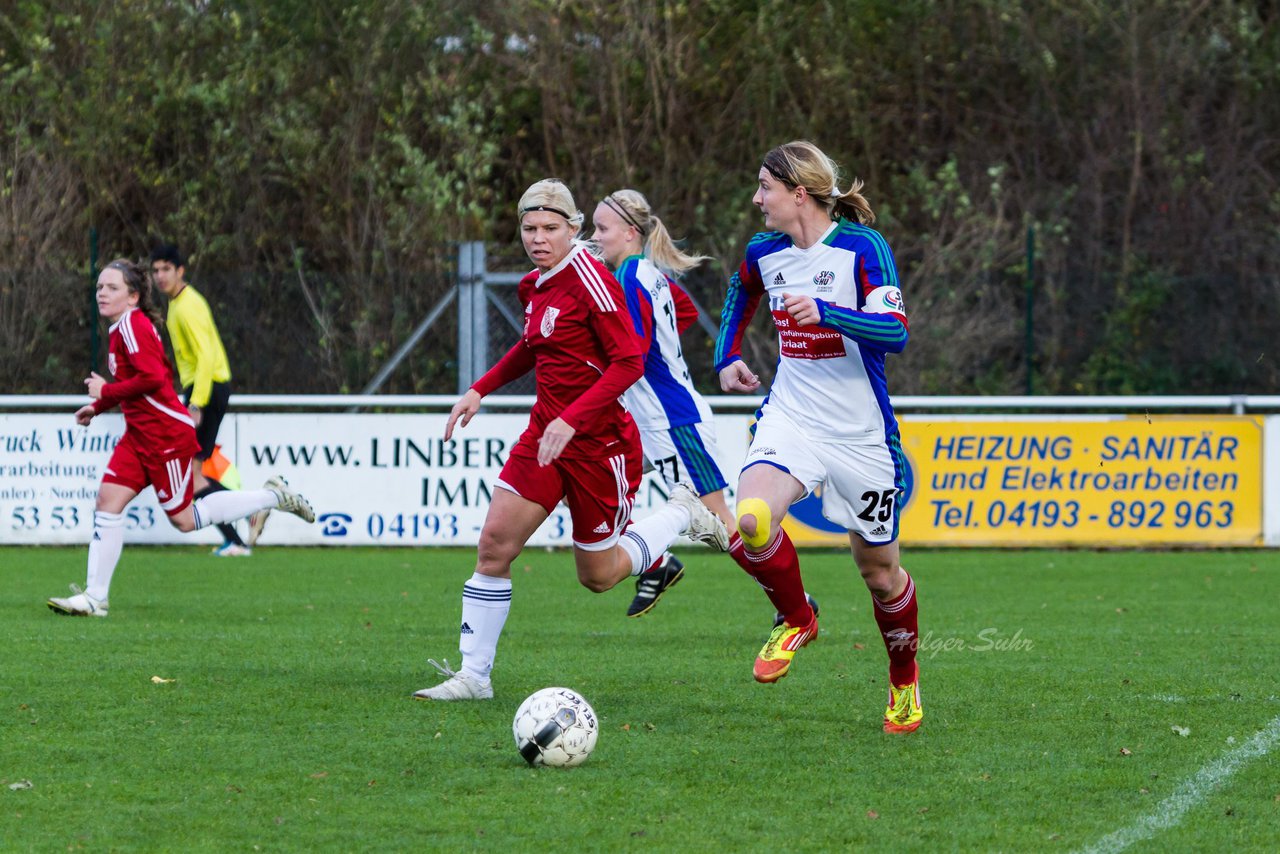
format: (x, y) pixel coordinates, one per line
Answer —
(859, 483)
(685, 454)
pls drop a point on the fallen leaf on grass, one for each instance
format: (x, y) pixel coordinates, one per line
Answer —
(319, 775)
(20, 785)
(160, 680)
(872, 814)
(1124, 751)
(858, 646)
(1181, 730)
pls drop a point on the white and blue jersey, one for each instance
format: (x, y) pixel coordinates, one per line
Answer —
(830, 376)
(664, 397)
(674, 420)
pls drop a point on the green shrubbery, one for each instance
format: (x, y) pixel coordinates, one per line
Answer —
(352, 142)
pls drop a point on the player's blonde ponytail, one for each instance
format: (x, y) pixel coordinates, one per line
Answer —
(803, 164)
(633, 208)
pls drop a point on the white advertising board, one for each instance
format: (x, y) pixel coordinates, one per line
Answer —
(374, 479)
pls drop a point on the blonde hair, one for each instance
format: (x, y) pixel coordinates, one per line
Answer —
(659, 248)
(551, 194)
(802, 164)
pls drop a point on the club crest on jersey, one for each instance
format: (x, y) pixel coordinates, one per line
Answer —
(111, 363)
(549, 321)
(825, 281)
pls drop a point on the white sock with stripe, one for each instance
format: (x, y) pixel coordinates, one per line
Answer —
(486, 601)
(646, 540)
(104, 553)
(230, 505)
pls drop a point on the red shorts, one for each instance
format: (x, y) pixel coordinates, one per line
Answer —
(599, 492)
(171, 477)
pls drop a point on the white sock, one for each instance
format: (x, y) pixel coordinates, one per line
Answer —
(104, 553)
(646, 540)
(230, 505)
(486, 602)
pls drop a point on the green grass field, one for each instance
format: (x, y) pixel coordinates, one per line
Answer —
(1052, 683)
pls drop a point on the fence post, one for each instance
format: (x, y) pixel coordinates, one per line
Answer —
(473, 314)
(95, 321)
(1031, 297)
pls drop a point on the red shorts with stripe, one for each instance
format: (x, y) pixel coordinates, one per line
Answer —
(598, 491)
(132, 467)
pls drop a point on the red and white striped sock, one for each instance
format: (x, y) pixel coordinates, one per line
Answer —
(776, 569)
(898, 621)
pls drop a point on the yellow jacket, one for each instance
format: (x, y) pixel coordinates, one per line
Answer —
(198, 350)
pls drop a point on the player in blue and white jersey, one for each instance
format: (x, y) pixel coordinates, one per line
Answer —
(675, 424)
(831, 286)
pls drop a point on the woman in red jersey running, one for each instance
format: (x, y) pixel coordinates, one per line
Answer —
(581, 445)
(158, 445)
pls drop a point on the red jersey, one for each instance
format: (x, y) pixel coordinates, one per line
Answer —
(579, 341)
(143, 389)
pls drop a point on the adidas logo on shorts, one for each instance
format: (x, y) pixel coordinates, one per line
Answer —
(602, 528)
(879, 531)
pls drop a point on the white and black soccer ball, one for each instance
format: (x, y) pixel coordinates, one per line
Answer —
(555, 726)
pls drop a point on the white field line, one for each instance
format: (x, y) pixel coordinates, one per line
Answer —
(1169, 812)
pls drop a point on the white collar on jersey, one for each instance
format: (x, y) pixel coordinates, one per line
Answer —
(578, 246)
(112, 327)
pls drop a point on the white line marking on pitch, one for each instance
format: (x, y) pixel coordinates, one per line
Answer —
(1169, 812)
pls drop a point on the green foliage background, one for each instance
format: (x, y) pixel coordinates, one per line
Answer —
(318, 159)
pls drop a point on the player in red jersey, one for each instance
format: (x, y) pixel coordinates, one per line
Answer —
(158, 445)
(581, 445)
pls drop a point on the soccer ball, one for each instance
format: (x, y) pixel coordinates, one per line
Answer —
(555, 726)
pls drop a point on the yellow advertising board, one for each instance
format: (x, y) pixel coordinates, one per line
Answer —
(1103, 481)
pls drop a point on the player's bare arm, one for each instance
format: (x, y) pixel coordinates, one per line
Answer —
(466, 408)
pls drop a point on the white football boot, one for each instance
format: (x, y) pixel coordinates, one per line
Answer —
(290, 501)
(459, 686)
(704, 526)
(78, 605)
(257, 522)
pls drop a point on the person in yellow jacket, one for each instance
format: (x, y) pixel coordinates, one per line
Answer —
(203, 371)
